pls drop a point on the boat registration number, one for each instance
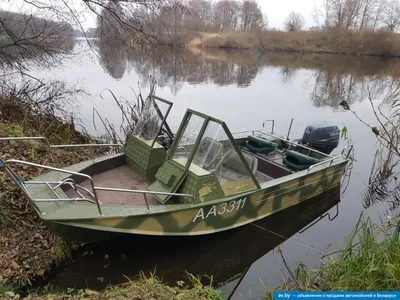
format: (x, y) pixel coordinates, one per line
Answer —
(220, 209)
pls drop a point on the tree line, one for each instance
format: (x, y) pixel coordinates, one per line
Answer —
(17, 25)
(26, 37)
(158, 18)
(358, 14)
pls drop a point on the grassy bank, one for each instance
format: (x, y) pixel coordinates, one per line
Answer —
(328, 41)
(143, 288)
(27, 248)
(370, 261)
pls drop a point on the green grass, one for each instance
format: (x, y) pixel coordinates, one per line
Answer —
(4, 288)
(151, 287)
(145, 287)
(371, 264)
(370, 261)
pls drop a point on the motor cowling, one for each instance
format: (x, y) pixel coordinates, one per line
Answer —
(322, 136)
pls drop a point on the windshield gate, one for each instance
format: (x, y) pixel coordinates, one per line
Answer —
(152, 120)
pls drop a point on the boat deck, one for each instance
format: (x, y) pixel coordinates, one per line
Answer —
(119, 178)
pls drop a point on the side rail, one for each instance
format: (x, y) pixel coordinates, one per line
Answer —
(21, 183)
(50, 146)
(252, 131)
(294, 143)
(341, 155)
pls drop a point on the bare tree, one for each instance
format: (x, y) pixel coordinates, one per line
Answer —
(226, 14)
(392, 15)
(294, 22)
(366, 14)
(378, 13)
(200, 15)
(251, 16)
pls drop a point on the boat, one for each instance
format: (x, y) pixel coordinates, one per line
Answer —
(201, 180)
(198, 255)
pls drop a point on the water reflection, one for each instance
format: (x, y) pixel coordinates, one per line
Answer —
(333, 78)
(113, 57)
(173, 67)
(225, 256)
(332, 89)
(383, 183)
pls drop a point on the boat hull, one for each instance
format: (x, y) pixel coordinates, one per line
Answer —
(206, 218)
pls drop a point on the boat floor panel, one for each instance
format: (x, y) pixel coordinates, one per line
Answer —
(119, 178)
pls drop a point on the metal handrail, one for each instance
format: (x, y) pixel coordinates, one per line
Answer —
(50, 146)
(58, 170)
(333, 158)
(86, 145)
(273, 125)
(27, 138)
(324, 162)
(296, 144)
(144, 193)
(94, 188)
(257, 129)
(247, 130)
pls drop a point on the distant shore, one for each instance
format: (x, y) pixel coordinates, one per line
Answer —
(383, 44)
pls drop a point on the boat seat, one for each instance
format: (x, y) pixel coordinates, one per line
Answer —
(298, 161)
(259, 145)
(209, 151)
(233, 168)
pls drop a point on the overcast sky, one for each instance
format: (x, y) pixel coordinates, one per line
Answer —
(276, 10)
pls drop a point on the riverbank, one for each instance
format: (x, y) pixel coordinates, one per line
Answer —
(149, 287)
(27, 248)
(385, 44)
(369, 261)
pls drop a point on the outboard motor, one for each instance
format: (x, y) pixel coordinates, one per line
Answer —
(322, 136)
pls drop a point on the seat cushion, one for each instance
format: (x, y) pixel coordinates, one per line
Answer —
(298, 161)
(260, 145)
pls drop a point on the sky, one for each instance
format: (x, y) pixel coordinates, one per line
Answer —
(276, 10)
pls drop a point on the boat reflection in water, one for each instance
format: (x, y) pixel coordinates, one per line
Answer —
(225, 256)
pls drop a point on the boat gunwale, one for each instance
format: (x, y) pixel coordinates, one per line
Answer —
(166, 208)
(194, 233)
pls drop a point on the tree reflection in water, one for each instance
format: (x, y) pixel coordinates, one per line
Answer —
(113, 57)
(173, 67)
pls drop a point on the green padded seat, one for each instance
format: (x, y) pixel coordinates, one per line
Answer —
(260, 145)
(298, 161)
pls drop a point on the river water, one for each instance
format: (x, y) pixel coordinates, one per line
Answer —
(243, 88)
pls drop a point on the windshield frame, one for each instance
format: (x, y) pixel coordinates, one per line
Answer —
(154, 99)
(207, 120)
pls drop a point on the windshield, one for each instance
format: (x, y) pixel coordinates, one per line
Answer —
(206, 149)
(152, 120)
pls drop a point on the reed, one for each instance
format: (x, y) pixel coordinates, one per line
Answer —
(369, 261)
(377, 43)
(130, 113)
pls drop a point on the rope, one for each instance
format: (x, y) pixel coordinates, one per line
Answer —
(286, 238)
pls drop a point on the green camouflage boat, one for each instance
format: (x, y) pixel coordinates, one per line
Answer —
(201, 180)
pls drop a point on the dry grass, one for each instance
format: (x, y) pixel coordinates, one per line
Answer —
(330, 41)
(143, 288)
